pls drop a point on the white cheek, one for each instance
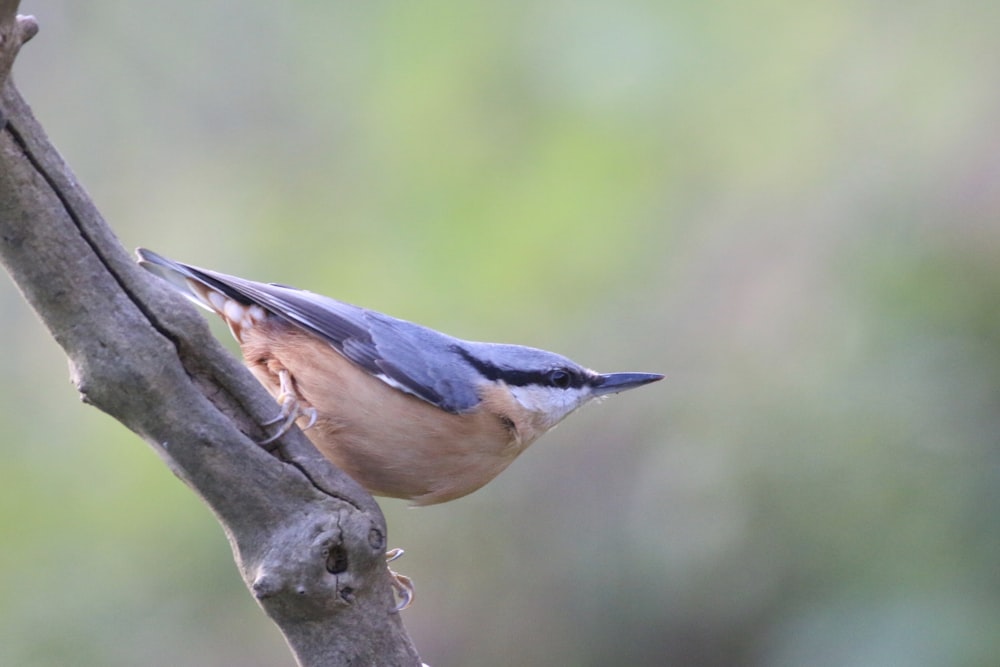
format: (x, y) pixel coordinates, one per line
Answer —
(554, 404)
(533, 399)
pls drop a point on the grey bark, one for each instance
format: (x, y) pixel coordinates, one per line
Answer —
(308, 541)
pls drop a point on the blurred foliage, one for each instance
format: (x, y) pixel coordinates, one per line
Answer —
(790, 209)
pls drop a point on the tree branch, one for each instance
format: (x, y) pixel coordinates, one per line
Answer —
(309, 542)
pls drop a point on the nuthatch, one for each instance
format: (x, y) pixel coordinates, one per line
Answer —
(406, 411)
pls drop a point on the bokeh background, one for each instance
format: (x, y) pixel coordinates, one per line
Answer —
(790, 209)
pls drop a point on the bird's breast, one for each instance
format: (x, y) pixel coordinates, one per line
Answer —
(392, 443)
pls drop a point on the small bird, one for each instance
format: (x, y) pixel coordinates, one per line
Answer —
(405, 410)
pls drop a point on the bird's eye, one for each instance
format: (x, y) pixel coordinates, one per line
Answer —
(560, 379)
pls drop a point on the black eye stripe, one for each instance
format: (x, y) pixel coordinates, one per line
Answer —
(563, 378)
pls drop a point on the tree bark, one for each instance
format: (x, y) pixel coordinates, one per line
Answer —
(308, 541)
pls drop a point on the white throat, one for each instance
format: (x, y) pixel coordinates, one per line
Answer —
(550, 404)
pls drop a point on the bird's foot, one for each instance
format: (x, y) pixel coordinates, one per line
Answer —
(402, 585)
(292, 405)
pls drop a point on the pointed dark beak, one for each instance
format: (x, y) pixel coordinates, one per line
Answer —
(612, 383)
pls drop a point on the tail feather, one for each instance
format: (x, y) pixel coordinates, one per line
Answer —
(195, 284)
(204, 289)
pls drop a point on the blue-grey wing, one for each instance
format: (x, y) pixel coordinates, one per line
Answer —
(407, 356)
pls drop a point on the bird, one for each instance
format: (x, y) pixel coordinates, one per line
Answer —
(408, 412)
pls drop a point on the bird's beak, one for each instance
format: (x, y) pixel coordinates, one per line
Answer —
(612, 383)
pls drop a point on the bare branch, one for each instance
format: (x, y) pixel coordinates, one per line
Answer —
(309, 542)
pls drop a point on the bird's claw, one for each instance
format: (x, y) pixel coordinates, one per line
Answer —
(292, 408)
(402, 585)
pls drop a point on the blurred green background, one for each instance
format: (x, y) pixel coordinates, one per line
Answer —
(790, 209)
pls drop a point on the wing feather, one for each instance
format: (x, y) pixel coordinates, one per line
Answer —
(405, 355)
